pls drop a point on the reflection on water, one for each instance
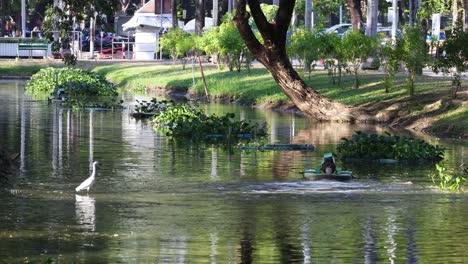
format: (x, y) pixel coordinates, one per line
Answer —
(85, 212)
(157, 201)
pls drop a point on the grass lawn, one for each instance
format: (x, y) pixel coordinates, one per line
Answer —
(25, 67)
(258, 86)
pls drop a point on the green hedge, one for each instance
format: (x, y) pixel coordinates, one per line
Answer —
(23, 40)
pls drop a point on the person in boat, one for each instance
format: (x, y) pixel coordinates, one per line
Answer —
(328, 165)
(61, 94)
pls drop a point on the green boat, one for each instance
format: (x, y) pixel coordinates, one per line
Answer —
(328, 170)
(339, 175)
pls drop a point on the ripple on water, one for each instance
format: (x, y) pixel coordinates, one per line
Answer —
(327, 186)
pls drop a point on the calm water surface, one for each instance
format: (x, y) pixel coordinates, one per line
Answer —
(156, 201)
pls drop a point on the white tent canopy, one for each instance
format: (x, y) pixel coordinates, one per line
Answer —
(150, 20)
(190, 26)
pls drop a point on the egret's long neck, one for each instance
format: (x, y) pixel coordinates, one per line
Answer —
(94, 170)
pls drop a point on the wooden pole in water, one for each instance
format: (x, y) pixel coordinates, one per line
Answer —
(203, 79)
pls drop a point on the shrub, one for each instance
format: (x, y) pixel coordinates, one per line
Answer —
(305, 46)
(413, 54)
(390, 57)
(357, 49)
(177, 43)
(365, 146)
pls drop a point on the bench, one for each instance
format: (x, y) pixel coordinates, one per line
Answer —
(31, 47)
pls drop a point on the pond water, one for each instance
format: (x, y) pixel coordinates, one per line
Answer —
(157, 201)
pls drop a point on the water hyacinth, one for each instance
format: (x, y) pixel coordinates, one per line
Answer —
(371, 146)
(82, 88)
(186, 121)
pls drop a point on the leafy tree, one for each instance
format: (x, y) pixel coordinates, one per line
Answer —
(331, 50)
(271, 52)
(305, 46)
(177, 43)
(390, 57)
(413, 54)
(429, 7)
(358, 48)
(454, 63)
(231, 45)
(226, 42)
(60, 19)
(208, 42)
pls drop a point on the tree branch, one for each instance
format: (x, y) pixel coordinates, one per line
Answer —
(283, 16)
(241, 20)
(265, 28)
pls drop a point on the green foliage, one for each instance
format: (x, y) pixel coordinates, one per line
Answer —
(321, 8)
(177, 43)
(226, 41)
(59, 20)
(365, 146)
(188, 122)
(69, 59)
(305, 45)
(51, 25)
(390, 57)
(447, 180)
(269, 11)
(454, 63)
(332, 50)
(429, 7)
(413, 54)
(82, 88)
(154, 106)
(357, 48)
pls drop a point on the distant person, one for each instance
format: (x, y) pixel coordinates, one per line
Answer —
(7, 28)
(13, 28)
(35, 32)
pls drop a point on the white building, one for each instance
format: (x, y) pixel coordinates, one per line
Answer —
(147, 22)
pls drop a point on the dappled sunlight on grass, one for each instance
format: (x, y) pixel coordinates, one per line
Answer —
(457, 117)
(258, 85)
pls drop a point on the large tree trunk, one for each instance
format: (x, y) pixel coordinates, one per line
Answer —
(372, 17)
(455, 13)
(175, 21)
(412, 12)
(272, 54)
(199, 16)
(401, 12)
(465, 17)
(215, 13)
(308, 14)
(356, 13)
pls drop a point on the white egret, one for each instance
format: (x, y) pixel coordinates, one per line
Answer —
(88, 183)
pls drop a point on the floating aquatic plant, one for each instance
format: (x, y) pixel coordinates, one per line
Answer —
(372, 146)
(189, 122)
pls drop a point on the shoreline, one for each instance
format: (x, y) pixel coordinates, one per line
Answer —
(420, 113)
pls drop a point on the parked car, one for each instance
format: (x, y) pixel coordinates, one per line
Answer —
(339, 29)
(385, 34)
